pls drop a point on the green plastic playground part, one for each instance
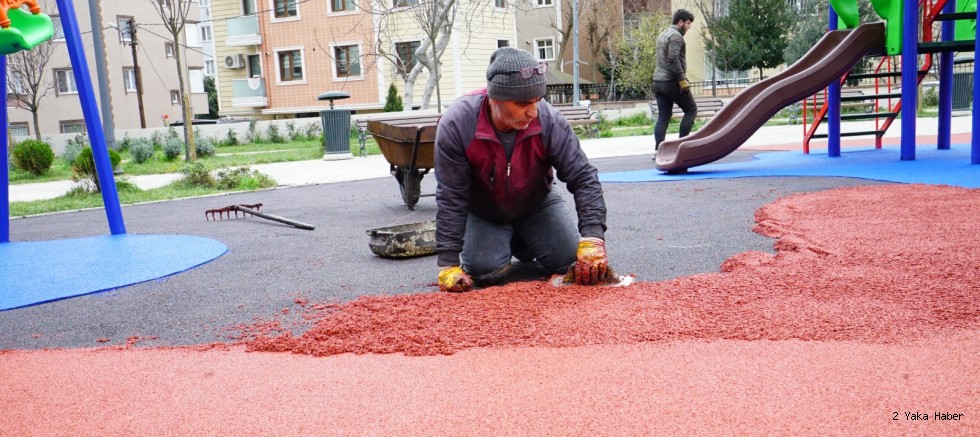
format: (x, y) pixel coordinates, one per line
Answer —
(847, 13)
(966, 30)
(26, 31)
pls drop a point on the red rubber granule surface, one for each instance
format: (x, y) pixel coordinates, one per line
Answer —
(879, 264)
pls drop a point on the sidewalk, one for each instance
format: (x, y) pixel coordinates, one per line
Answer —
(317, 171)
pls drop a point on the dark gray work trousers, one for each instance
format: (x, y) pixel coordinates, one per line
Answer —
(668, 93)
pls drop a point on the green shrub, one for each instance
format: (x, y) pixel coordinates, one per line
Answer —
(231, 138)
(272, 133)
(125, 143)
(204, 147)
(141, 150)
(74, 146)
(243, 178)
(83, 168)
(34, 156)
(291, 132)
(313, 130)
(253, 135)
(393, 103)
(930, 98)
(172, 148)
(172, 132)
(157, 140)
(196, 173)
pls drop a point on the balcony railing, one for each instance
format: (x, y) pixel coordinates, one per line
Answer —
(249, 93)
(244, 31)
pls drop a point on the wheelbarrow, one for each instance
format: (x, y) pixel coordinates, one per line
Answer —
(409, 147)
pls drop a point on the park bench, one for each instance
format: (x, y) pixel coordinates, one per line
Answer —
(707, 107)
(581, 116)
(850, 98)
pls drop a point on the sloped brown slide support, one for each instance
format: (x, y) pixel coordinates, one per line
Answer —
(826, 62)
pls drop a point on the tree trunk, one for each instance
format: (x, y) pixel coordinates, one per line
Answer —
(37, 127)
(190, 151)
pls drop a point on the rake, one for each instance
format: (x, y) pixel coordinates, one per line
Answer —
(253, 209)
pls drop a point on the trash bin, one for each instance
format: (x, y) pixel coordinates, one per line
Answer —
(962, 90)
(336, 128)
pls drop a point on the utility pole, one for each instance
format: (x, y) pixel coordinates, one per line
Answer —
(136, 71)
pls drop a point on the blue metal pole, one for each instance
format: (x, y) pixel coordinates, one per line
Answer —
(93, 123)
(975, 141)
(946, 82)
(4, 164)
(833, 102)
(910, 80)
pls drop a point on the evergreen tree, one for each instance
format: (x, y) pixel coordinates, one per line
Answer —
(752, 35)
(393, 103)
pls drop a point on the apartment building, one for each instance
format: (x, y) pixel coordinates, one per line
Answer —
(275, 57)
(207, 39)
(60, 110)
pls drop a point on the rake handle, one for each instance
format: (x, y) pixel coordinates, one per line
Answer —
(274, 218)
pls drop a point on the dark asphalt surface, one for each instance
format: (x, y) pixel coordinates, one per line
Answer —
(656, 230)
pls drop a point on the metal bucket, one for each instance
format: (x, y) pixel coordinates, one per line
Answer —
(404, 241)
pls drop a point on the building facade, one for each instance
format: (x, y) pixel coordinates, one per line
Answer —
(60, 111)
(275, 57)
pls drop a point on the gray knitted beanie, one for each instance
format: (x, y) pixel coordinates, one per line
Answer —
(511, 86)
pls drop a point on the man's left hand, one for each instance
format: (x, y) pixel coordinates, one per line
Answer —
(591, 265)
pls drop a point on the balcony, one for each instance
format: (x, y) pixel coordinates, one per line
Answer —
(244, 31)
(249, 93)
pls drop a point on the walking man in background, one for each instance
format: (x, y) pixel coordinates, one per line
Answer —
(670, 83)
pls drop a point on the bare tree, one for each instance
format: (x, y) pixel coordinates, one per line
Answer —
(174, 16)
(27, 81)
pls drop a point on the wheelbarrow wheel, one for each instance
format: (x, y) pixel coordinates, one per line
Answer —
(410, 183)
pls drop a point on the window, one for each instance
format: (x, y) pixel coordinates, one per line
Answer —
(343, 5)
(285, 8)
(206, 33)
(65, 81)
(193, 35)
(290, 65)
(72, 126)
(503, 43)
(500, 4)
(204, 3)
(543, 3)
(406, 55)
(248, 7)
(20, 129)
(129, 79)
(122, 23)
(404, 3)
(168, 47)
(196, 80)
(59, 32)
(254, 66)
(545, 49)
(209, 67)
(174, 97)
(348, 61)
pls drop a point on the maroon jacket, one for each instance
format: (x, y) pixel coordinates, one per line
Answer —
(474, 175)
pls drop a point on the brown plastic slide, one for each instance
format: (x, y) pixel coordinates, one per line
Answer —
(826, 62)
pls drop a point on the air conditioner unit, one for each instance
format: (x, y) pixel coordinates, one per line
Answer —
(235, 61)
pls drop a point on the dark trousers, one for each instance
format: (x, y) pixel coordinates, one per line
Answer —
(547, 235)
(668, 93)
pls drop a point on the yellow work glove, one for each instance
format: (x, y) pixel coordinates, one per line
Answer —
(454, 280)
(591, 265)
(685, 86)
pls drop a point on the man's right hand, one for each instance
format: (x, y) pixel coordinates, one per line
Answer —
(685, 86)
(454, 280)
